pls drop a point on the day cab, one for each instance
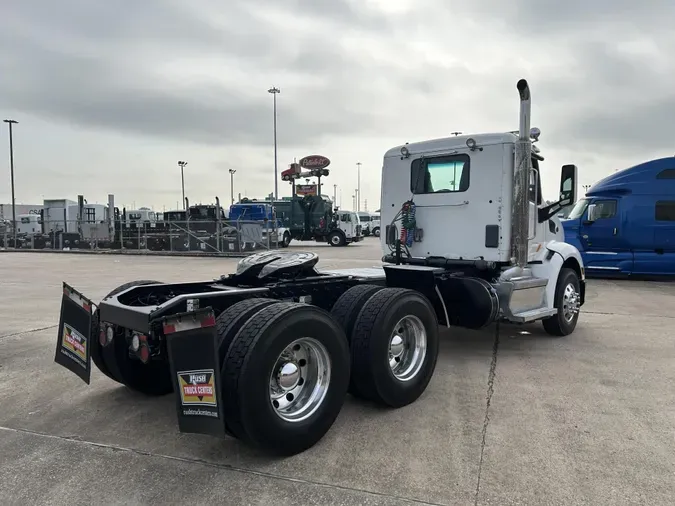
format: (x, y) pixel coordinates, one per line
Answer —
(474, 210)
(626, 223)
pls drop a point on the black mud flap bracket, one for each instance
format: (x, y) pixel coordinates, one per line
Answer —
(192, 346)
(73, 347)
(422, 279)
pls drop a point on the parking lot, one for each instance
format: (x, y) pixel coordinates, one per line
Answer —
(522, 418)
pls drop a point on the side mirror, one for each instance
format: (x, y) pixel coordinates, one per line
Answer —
(591, 213)
(568, 185)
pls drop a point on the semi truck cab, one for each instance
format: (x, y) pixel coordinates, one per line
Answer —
(625, 225)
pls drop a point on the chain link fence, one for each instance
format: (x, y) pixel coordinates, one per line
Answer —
(207, 237)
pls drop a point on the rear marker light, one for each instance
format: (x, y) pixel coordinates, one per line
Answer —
(135, 342)
(106, 335)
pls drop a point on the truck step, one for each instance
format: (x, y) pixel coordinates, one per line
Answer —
(532, 315)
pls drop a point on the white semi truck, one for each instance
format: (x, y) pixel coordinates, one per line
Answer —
(266, 354)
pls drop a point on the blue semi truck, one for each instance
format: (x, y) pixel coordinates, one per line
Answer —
(625, 225)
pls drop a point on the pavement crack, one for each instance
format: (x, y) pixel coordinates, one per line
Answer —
(29, 331)
(608, 313)
(218, 465)
(488, 400)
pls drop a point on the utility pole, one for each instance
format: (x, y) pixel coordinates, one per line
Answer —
(358, 186)
(182, 165)
(232, 171)
(273, 90)
(334, 195)
(11, 122)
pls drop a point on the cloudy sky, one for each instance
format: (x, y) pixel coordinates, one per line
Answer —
(110, 94)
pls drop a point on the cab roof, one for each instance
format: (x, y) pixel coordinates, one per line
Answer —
(453, 142)
(629, 179)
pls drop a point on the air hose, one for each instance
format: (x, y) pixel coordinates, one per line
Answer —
(408, 223)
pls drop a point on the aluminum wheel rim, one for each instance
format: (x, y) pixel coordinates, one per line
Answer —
(335, 239)
(570, 302)
(407, 348)
(300, 378)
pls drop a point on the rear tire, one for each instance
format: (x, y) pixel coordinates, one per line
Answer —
(252, 378)
(153, 378)
(230, 321)
(96, 348)
(346, 310)
(394, 347)
(567, 292)
(286, 240)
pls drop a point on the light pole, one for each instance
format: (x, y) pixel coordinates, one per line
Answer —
(273, 90)
(11, 122)
(334, 195)
(232, 171)
(182, 165)
(358, 186)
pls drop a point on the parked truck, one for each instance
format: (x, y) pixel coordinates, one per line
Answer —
(306, 218)
(267, 353)
(625, 225)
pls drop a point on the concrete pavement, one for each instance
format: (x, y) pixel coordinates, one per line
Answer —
(519, 419)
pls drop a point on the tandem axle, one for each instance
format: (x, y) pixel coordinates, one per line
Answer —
(268, 353)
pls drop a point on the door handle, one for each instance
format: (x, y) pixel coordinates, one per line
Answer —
(614, 231)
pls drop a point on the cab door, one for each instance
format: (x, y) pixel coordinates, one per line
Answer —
(600, 233)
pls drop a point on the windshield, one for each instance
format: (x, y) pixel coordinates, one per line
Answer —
(355, 218)
(578, 209)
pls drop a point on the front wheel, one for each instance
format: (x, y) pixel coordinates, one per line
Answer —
(337, 239)
(568, 302)
(286, 240)
(376, 231)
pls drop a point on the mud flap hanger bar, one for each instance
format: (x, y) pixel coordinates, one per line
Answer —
(192, 346)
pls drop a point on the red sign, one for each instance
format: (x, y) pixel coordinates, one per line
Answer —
(306, 189)
(314, 162)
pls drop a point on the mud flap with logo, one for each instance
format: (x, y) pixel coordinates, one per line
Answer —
(73, 347)
(193, 356)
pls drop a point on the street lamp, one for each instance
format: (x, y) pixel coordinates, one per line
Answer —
(232, 171)
(273, 90)
(182, 165)
(11, 122)
(358, 186)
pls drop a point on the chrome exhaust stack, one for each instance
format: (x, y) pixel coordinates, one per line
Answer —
(520, 203)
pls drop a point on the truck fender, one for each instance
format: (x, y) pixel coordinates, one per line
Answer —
(560, 255)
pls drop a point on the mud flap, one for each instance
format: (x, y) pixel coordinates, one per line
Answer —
(73, 348)
(191, 342)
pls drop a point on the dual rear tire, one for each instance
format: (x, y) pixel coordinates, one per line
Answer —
(393, 341)
(287, 367)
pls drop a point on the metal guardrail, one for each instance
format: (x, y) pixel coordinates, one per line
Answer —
(206, 237)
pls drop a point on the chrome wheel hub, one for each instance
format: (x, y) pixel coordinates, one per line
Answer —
(571, 302)
(300, 379)
(407, 348)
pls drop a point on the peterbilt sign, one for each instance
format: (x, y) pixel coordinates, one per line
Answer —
(314, 162)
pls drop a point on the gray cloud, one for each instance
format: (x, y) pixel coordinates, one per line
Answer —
(601, 71)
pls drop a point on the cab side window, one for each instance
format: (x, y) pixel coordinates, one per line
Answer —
(605, 209)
